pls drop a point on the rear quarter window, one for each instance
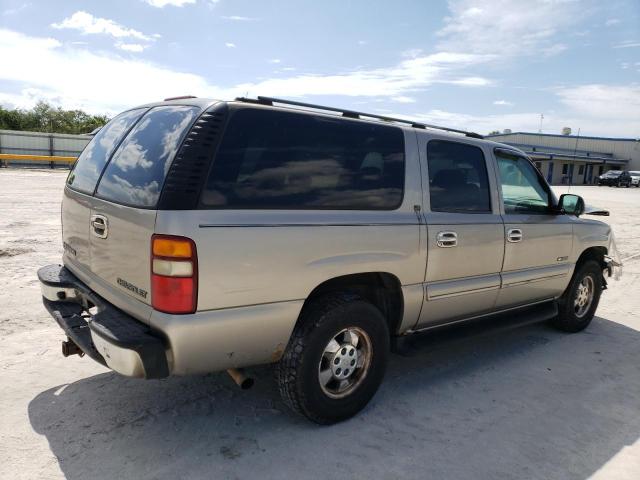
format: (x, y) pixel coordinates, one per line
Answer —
(285, 160)
(94, 157)
(137, 170)
(458, 179)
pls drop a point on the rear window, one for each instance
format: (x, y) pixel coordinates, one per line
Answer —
(93, 158)
(285, 160)
(136, 172)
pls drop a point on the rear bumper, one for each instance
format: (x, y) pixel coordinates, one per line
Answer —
(101, 330)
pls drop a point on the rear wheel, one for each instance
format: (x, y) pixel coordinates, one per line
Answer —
(578, 304)
(335, 360)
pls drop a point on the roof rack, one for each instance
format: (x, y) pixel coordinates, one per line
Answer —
(353, 114)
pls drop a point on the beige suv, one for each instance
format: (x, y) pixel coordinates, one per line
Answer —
(202, 236)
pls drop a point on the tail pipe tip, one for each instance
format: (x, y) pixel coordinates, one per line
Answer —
(70, 348)
(238, 376)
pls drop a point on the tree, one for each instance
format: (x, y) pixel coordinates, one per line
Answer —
(46, 118)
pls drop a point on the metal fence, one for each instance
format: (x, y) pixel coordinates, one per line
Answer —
(34, 148)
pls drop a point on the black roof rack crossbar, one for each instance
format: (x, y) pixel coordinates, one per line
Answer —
(354, 114)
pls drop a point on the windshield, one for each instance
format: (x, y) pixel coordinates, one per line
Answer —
(613, 173)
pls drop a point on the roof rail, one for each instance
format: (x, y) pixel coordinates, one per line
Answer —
(353, 114)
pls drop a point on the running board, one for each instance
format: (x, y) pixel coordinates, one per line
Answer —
(484, 325)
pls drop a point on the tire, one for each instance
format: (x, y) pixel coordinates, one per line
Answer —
(308, 356)
(573, 317)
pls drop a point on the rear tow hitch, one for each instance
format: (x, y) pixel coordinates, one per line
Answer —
(70, 348)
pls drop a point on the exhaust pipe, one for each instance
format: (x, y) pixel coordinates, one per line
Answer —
(238, 376)
(70, 348)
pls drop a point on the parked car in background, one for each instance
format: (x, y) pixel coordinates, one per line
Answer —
(201, 236)
(635, 178)
(615, 178)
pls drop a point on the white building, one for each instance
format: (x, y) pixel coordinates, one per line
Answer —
(565, 159)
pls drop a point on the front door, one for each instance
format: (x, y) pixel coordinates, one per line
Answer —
(538, 241)
(464, 230)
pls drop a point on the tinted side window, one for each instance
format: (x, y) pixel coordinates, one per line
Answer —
(93, 158)
(285, 160)
(136, 172)
(458, 180)
(523, 191)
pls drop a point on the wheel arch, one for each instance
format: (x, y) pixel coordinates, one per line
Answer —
(382, 289)
(592, 253)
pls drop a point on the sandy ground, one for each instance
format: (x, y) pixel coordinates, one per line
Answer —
(524, 402)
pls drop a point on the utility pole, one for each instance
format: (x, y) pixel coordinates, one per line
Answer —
(541, 118)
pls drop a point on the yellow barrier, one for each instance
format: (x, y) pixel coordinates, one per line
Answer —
(42, 158)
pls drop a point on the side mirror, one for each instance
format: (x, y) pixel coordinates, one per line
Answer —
(571, 204)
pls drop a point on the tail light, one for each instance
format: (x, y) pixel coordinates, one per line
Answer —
(174, 274)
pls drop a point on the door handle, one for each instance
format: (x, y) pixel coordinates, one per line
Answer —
(100, 226)
(514, 235)
(447, 239)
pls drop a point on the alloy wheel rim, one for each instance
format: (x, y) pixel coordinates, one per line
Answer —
(345, 362)
(584, 296)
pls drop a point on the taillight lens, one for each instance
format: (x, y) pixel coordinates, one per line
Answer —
(174, 274)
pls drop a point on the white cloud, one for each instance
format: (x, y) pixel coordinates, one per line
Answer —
(503, 103)
(274, 60)
(120, 82)
(18, 9)
(403, 99)
(362, 42)
(595, 109)
(554, 49)
(612, 21)
(471, 82)
(621, 102)
(131, 47)
(239, 18)
(506, 27)
(173, 3)
(125, 82)
(627, 44)
(409, 75)
(230, 45)
(88, 24)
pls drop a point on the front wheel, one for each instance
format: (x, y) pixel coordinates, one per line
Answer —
(335, 359)
(578, 304)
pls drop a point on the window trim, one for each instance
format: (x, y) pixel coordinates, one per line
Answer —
(238, 108)
(552, 201)
(490, 211)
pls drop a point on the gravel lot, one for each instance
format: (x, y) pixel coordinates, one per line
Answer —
(525, 402)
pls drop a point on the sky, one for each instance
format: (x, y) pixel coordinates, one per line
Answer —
(478, 65)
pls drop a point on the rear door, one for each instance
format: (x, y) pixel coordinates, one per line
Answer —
(81, 183)
(464, 230)
(538, 241)
(123, 212)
